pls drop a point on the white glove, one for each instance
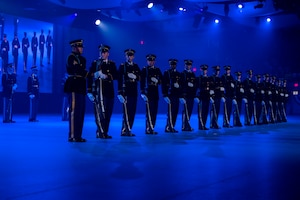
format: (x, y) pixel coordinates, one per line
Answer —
(99, 74)
(211, 92)
(167, 100)
(251, 90)
(182, 100)
(270, 103)
(262, 92)
(286, 95)
(155, 80)
(176, 85)
(121, 98)
(263, 103)
(211, 100)
(144, 97)
(245, 100)
(232, 85)
(223, 99)
(31, 96)
(91, 97)
(131, 75)
(269, 92)
(222, 89)
(15, 87)
(234, 102)
(196, 100)
(242, 90)
(190, 84)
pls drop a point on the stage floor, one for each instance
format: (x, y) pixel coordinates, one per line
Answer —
(257, 162)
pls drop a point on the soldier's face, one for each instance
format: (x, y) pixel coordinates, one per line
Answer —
(105, 55)
(173, 66)
(80, 50)
(150, 62)
(130, 58)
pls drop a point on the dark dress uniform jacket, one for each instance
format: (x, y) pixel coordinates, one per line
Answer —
(8, 81)
(128, 86)
(171, 85)
(76, 68)
(188, 90)
(110, 70)
(149, 87)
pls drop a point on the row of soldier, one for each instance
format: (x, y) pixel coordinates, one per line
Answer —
(37, 43)
(264, 100)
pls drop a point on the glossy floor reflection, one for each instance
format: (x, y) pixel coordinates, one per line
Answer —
(258, 162)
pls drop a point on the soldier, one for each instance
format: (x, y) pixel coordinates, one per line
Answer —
(240, 98)
(204, 84)
(15, 51)
(261, 112)
(9, 84)
(42, 47)
(151, 78)
(189, 88)
(49, 44)
(128, 77)
(268, 98)
(34, 46)
(250, 108)
(101, 90)
(283, 95)
(230, 97)
(75, 87)
(171, 89)
(284, 100)
(65, 102)
(33, 93)
(218, 96)
(25, 46)
(4, 53)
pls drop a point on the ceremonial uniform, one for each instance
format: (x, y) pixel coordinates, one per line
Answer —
(33, 92)
(204, 85)
(268, 98)
(128, 78)
(217, 95)
(75, 87)
(42, 47)
(4, 52)
(34, 46)
(25, 46)
(15, 51)
(151, 78)
(171, 89)
(101, 90)
(229, 86)
(49, 44)
(261, 112)
(189, 88)
(250, 108)
(9, 84)
(240, 97)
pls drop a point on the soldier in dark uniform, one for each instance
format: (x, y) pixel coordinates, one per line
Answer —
(230, 97)
(171, 89)
(65, 102)
(33, 86)
(204, 84)
(75, 87)
(101, 90)
(151, 78)
(250, 108)
(25, 46)
(15, 51)
(268, 98)
(284, 100)
(128, 78)
(261, 114)
(189, 88)
(218, 96)
(42, 47)
(240, 98)
(281, 100)
(4, 53)
(49, 44)
(34, 46)
(9, 84)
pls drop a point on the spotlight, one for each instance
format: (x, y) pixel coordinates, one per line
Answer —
(98, 22)
(217, 21)
(240, 6)
(269, 19)
(150, 5)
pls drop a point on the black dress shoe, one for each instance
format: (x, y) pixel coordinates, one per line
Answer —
(105, 136)
(227, 126)
(174, 131)
(151, 132)
(203, 128)
(127, 134)
(77, 140)
(187, 129)
(6, 121)
(12, 121)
